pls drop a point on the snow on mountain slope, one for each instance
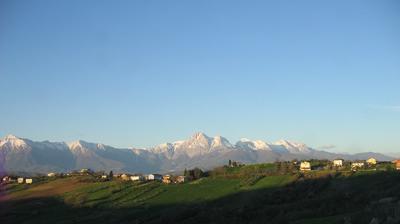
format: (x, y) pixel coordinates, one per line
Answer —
(220, 142)
(247, 144)
(293, 147)
(200, 144)
(21, 154)
(11, 142)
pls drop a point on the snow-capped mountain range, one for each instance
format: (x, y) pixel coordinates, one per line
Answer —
(24, 155)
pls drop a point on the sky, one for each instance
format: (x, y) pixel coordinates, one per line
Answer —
(139, 73)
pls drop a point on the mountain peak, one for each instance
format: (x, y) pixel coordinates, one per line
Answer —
(13, 141)
(77, 143)
(245, 143)
(293, 147)
(85, 144)
(199, 135)
(220, 141)
(10, 137)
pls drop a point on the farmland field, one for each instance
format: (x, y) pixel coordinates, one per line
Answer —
(245, 199)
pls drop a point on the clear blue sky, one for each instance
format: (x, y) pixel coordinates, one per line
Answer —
(139, 73)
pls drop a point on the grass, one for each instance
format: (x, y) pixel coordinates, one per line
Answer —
(316, 197)
(273, 181)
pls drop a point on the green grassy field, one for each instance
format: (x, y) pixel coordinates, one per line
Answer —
(316, 197)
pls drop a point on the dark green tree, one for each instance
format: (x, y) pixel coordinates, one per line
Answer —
(197, 173)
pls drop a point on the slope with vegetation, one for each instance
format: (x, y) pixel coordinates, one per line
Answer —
(246, 194)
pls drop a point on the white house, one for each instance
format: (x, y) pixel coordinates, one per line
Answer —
(305, 166)
(20, 180)
(397, 164)
(51, 174)
(166, 179)
(338, 162)
(357, 165)
(181, 179)
(154, 177)
(371, 161)
(125, 177)
(86, 171)
(104, 176)
(6, 178)
(137, 178)
(28, 181)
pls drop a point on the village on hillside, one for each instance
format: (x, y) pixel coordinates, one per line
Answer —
(281, 167)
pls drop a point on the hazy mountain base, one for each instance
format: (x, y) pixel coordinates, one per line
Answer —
(317, 197)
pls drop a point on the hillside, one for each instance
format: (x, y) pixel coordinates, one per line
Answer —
(315, 197)
(200, 150)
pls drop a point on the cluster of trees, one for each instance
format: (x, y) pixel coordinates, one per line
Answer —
(232, 163)
(195, 173)
(284, 167)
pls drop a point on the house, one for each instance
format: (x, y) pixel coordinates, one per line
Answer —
(104, 176)
(5, 179)
(20, 180)
(305, 166)
(125, 177)
(371, 161)
(86, 171)
(51, 174)
(181, 179)
(155, 177)
(28, 181)
(357, 165)
(137, 178)
(8, 179)
(338, 162)
(397, 164)
(166, 179)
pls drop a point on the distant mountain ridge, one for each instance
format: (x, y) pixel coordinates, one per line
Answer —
(24, 155)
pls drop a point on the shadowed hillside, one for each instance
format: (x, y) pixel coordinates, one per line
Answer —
(296, 199)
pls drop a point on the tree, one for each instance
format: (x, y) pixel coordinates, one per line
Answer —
(111, 175)
(197, 173)
(185, 173)
(291, 167)
(278, 166)
(283, 168)
(230, 163)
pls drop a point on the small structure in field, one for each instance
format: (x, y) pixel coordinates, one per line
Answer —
(51, 174)
(28, 181)
(155, 177)
(397, 164)
(20, 180)
(85, 171)
(371, 161)
(104, 176)
(137, 178)
(5, 179)
(305, 166)
(357, 165)
(125, 177)
(338, 162)
(166, 179)
(8, 179)
(181, 179)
